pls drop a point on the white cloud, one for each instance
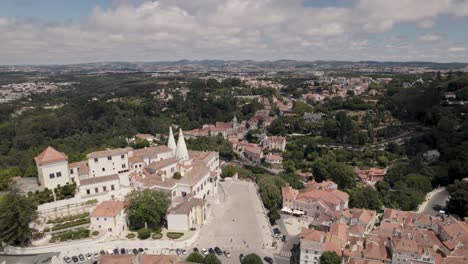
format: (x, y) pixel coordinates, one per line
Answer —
(430, 37)
(138, 30)
(456, 49)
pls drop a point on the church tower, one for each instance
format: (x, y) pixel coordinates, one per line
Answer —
(181, 151)
(171, 141)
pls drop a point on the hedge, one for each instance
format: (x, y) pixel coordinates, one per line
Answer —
(157, 236)
(70, 235)
(70, 224)
(131, 235)
(67, 218)
(144, 233)
(174, 235)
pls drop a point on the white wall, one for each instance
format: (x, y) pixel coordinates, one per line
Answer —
(102, 166)
(177, 222)
(56, 168)
(309, 256)
(114, 225)
(100, 188)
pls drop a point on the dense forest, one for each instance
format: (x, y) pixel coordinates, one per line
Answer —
(103, 110)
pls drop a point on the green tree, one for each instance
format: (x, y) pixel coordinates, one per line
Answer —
(228, 171)
(139, 143)
(211, 259)
(418, 182)
(195, 257)
(144, 233)
(147, 208)
(177, 175)
(366, 197)
(252, 259)
(330, 257)
(458, 202)
(16, 212)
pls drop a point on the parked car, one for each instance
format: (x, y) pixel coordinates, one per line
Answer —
(116, 251)
(211, 251)
(110, 252)
(241, 257)
(89, 255)
(204, 251)
(276, 232)
(123, 251)
(135, 251)
(268, 260)
(218, 251)
(184, 251)
(178, 252)
(96, 255)
(81, 257)
(283, 238)
(141, 250)
(67, 259)
(227, 254)
(102, 252)
(75, 259)
(195, 250)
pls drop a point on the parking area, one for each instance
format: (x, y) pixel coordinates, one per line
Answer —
(238, 222)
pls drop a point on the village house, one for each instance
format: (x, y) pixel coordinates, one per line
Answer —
(187, 215)
(218, 129)
(274, 143)
(52, 168)
(314, 242)
(314, 202)
(371, 175)
(109, 216)
(274, 161)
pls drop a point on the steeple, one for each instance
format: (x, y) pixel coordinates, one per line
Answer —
(181, 151)
(171, 141)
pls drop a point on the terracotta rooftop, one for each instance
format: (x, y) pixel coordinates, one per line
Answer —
(312, 234)
(50, 155)
(108, 208)
(155, 166)
(115, 259)
(94, 180)
(186, 206)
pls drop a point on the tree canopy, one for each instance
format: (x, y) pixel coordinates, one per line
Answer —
(252, 259)
(330, 257)
(16, 212)
(147, 207)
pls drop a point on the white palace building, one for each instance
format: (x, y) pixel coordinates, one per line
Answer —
(189, 177)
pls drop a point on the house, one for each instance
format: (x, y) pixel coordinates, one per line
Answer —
(274, 143)
(314, 242)
(254, 154)
(313, 117)
(52, 168)
(275, 161)
(109, 216)
(190, 214)
(315, 202)
(371, 175)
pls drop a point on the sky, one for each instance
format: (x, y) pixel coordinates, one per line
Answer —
(79, 31)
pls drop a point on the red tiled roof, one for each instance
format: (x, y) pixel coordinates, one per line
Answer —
(50, 155)
(108, 209)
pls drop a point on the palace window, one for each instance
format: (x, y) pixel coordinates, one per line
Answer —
(112, 187)
(59, 174)
(52, 175)
(109, 158)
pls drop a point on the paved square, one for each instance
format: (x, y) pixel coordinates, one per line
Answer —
(238, 222)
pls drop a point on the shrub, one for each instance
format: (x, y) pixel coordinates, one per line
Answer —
(144, 233)
(37, 235)
(157, 236)
(71, 224)
(93, 201)
(174, 235)
(131, 235)
(95, 233)
(67, 218)
(156, 230)
(195, 257)
(177, 176)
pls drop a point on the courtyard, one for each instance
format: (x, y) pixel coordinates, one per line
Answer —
(238, 222)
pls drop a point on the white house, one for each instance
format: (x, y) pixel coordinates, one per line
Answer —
(99, 185)
(109, 216)
(52, 168)
(108, 162)
(189, 214)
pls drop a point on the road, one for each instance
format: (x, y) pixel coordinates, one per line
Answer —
(434, 202)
